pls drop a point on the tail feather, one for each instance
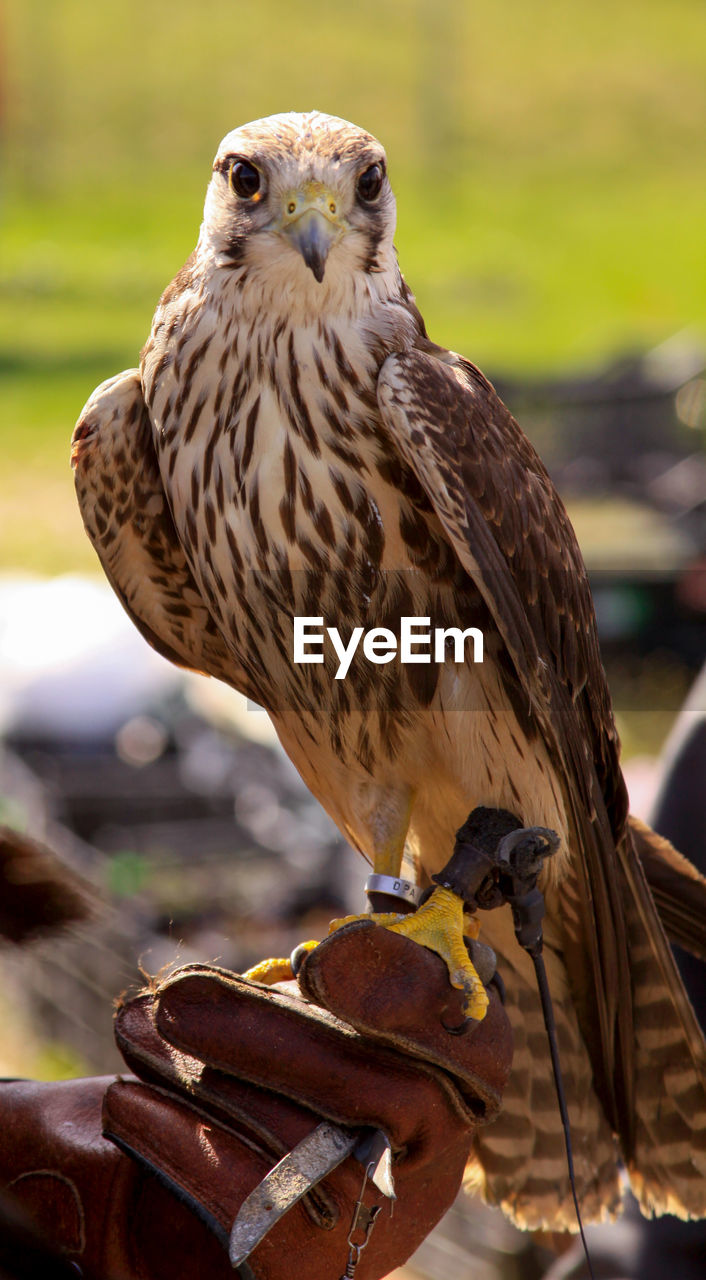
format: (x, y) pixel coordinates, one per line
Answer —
(519, 1160)
(678, 889)
(668, 1165)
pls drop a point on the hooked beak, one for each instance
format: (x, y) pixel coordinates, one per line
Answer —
(311, 224)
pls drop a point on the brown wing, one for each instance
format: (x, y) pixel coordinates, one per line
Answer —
(511, 533)
(128, 520)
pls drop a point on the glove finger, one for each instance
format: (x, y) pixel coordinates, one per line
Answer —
(401, 996)
(218, 1031)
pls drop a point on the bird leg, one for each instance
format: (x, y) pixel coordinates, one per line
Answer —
(495, 861)
(387, 864)
(389, 842)
(434, 920)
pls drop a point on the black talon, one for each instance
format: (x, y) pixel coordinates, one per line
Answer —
(298, 957)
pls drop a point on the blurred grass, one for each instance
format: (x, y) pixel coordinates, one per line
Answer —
(548, 161)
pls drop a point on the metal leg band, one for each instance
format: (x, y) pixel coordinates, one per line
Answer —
(394, 888)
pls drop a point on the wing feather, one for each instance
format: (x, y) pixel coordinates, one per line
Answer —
(512, 535)
(127, 517)
(678, 888)
(509, 531)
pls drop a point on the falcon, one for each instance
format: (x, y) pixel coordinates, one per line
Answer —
(293, 445)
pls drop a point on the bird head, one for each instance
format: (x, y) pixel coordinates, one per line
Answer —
(301, 201)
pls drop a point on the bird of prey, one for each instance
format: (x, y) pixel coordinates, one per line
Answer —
(294, 445)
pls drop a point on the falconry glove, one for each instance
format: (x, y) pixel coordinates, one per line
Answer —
(262, 1135)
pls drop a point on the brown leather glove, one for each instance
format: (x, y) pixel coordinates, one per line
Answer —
(233, 1077)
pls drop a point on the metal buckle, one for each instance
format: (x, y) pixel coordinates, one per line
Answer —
(297, 1172)
(306, 1164)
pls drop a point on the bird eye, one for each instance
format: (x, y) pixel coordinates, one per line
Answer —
(244, 179)
(370, 182)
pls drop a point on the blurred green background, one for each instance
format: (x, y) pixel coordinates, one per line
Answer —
(548, 160)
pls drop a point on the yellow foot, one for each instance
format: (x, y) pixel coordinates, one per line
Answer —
(440, 925)
(276, 969)
(385, 918)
